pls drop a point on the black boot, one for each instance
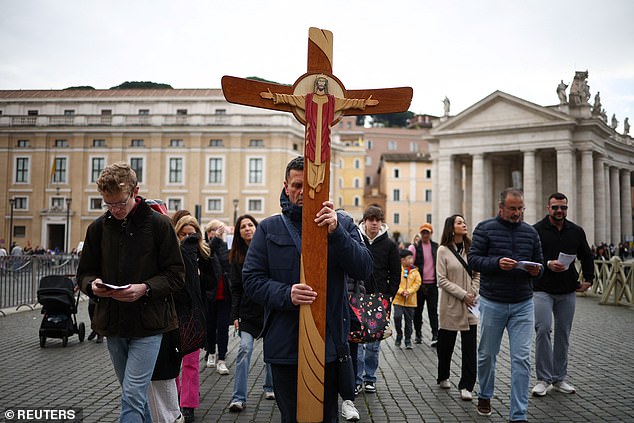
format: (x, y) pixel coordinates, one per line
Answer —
(92, 335)
(188, 413)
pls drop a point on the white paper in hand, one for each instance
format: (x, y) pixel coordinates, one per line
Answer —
(566, 259)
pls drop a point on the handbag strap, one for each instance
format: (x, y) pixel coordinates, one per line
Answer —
(461, 260)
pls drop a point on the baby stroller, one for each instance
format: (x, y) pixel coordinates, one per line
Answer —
(59, 307)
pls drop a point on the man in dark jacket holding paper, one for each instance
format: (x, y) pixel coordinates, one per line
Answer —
(507, 253)
(555, 293)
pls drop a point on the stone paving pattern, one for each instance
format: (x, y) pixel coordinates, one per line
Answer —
(601, 367)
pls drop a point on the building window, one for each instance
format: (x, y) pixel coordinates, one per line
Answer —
(137, 143)
(356, 183)
(368, 143)
(295, 146)
(340, 182)
(20, 203)
(428, 196)
(254, 205)
(59, 170)
(136, 163)
(428, 173)
(33, 113)
(19, 231)
(176, 170)
(396, 195)
(428, 217)
(96, 166)
(397, 218)
(95, 203)
(24, 143)
(391, 145)
(357, 201)
(106, 112)
(144, 112)
(368, 180)
(98, 143)
(69, 112)
(220, 111)
(174, 204)
(216, 143)
(396, 171)
(214, 205)
(413, 146)
(61, 143)
(256, 143)
(215, 170)
(176, 143)
(181, 112)
(256, 167)
(22, 170)
(368, 160)
(57, 203)
(357, 163)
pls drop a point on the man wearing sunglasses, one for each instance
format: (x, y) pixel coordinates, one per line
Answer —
(555, 294)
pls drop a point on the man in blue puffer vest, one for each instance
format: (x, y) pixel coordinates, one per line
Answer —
(508, 254)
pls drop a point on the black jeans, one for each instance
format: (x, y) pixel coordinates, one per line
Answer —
(285, 388)
(427, 293)
(446, 343)
(218, 327)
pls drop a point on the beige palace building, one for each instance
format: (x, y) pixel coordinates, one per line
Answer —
(189, 147)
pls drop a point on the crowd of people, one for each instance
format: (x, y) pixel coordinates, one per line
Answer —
(149, 276)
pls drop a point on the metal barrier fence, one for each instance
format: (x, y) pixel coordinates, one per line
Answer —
(20, 276)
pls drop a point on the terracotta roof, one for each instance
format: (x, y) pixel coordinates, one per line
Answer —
(48, 94)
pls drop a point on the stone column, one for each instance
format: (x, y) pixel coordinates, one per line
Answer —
(600, 200)
(490, 199)
(585, 204)
(530, 197)
(446, 188)
(608, 203)
(478, 208)
(615, 205)
(468, 191)
(565, 175)
(626, 205)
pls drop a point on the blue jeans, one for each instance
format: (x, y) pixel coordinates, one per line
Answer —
(518, 319)
(368, 360)
(243, 362)
(551, 359)
(133, 360)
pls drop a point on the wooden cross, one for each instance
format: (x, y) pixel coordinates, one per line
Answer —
(318, 100)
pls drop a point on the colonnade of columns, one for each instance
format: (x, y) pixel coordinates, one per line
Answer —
(599, 190)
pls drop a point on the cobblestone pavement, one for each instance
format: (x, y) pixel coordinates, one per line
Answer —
(80, 375)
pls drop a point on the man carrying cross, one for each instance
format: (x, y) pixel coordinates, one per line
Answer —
(271, 276)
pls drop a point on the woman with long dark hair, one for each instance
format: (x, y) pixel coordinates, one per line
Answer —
(247, 316)
(458, 292)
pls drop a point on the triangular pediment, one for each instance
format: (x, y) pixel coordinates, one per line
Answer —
(501, 110)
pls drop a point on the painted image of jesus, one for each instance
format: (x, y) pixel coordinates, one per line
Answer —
(320, 109)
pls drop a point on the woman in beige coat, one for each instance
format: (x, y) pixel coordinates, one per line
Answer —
(458, 291)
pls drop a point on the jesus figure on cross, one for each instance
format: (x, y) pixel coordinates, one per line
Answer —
(320, 108)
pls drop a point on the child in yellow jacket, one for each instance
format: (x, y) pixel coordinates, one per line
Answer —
(405, 299)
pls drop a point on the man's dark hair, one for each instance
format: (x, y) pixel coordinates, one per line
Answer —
(296, 164)
(557, 196)
(374, 211)
(510, 192)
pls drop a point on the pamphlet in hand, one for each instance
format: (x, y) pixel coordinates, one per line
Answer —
(475, 309)
(566, 259)
(108, 286)
(524, 265)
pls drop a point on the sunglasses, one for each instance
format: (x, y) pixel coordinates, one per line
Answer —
(563, 208)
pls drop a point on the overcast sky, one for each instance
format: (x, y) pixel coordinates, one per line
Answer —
(462, 49)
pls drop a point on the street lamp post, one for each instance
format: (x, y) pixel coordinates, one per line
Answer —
(235, 210)
(68, 201)
(12, 203)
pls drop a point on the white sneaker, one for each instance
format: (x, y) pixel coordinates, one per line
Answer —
(222, 367)
(269, 395)
(444, 384)
(466, 395)
(349, 411)
(541, 388)
(180, 419)
(237, 406)
(211, 360)
(564, 387)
